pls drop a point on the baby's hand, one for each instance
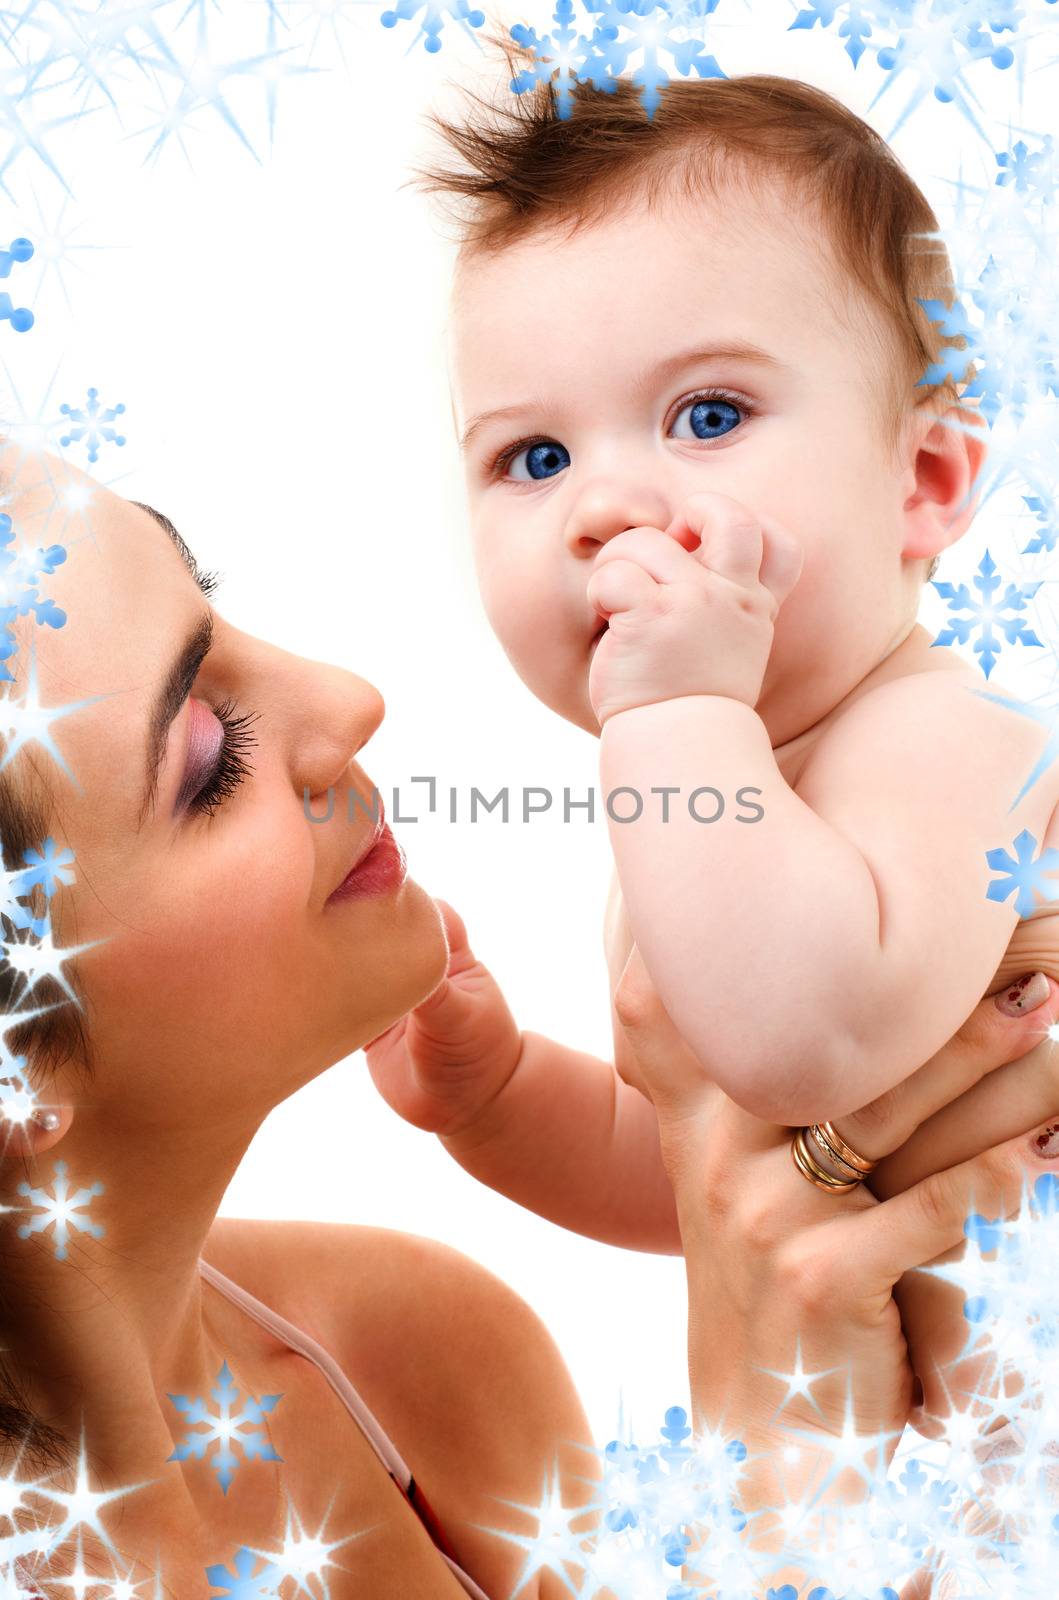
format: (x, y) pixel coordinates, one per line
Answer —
(686, 620)
(440, 1065)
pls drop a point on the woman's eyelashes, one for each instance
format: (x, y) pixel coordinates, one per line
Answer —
(709, 414)
(230, 766)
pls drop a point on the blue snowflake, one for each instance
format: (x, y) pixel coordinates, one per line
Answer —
(856, 30)
(20, 574)
(826, 1594)
(952, 323)
(1045, 537)
(61, 1210)
(46, 868)
(1011, 341)
(919, 1507)
(435, 13)
(937, 40)
(1030, 171)
(226, 1427)
(564, 54)
(49, 866)
(988, 348)
(984, 1234)
(20, 319)
(653, 1489)
(242, 1583)
(648, 30)
(1007, 1294)
(623, 30)
(1023, 875)
(93, 423)
(987, 613)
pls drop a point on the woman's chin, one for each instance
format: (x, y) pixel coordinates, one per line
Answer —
(434, 946)
(421, 957)
(393, 959)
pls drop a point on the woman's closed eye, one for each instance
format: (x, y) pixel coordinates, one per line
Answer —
(709, 414)
(203, 792)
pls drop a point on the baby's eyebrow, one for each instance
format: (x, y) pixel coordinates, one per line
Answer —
(700, 355)
(482, 420)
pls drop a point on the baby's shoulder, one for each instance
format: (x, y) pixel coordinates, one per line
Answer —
(937, 730)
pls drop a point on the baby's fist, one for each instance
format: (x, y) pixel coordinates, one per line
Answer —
(691, 609)
(441, 1065)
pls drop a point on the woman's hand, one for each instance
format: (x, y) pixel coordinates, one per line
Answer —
(783, 1276)
(996, 1078)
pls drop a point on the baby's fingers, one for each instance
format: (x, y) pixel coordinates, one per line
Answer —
(739, 544)
(620, 586)
(782, 560)
(729, 533)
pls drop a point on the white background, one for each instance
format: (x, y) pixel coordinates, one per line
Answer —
(275, 331)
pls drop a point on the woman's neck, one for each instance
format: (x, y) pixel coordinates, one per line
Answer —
(99, 1337)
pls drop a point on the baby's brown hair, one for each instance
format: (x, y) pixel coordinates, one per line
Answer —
(525, 167)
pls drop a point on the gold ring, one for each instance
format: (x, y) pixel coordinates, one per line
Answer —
(840, 1151)
(811, 1169)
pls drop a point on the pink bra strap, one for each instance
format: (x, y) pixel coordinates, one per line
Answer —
(306, 1346)
(380, 1442)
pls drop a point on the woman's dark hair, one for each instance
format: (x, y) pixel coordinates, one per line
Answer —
(47, 1042)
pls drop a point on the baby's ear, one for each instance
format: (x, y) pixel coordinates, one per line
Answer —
(949, 454)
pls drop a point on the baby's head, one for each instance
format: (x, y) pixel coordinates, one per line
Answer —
(722, 296)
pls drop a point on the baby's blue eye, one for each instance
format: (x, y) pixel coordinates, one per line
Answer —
(707, 419)
(542, 460)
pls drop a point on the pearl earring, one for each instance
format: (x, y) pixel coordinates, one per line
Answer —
(47, 1120)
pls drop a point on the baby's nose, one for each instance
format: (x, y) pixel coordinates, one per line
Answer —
(609, 506)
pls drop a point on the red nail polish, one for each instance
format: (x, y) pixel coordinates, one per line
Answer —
(1046, 1143)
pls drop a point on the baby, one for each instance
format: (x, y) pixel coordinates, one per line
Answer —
(706, 488)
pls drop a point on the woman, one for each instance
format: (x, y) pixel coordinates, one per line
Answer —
(228, 956)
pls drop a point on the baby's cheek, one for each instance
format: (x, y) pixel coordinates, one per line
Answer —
(524, 616)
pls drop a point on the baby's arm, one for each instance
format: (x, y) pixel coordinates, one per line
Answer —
(568, 1139)
(816, 957)
(554, 1129)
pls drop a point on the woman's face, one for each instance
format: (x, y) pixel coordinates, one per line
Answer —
(226, 977)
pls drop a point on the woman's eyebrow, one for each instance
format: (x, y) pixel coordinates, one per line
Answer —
(207, 581)
(178, 681)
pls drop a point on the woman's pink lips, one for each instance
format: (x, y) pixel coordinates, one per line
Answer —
(380, 871)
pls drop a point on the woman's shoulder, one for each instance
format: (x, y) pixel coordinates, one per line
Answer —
(372, 1292)
(460, 1372)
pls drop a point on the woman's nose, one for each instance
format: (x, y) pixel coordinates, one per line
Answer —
(371, 709)
(610, 505)
(335, 716)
